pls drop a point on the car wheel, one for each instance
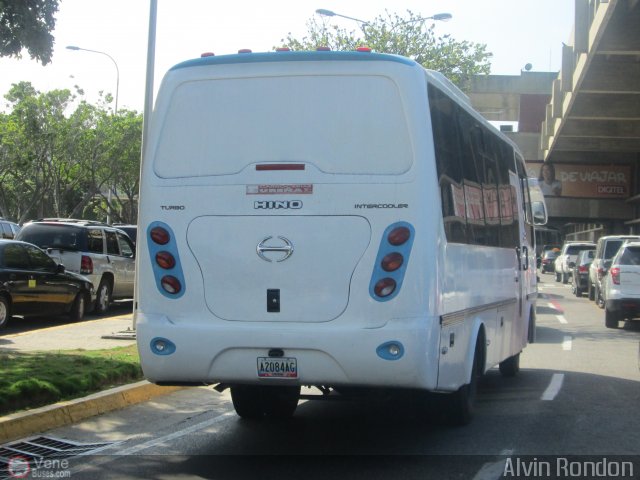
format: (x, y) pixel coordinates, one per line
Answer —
(103, 297)
(78, 308)
(510, 366)
(610, 319)
(577, 290)
(599, 299)
(247, 401)
(565, 278)
(591, 291)
(5, 313)
(557, 277)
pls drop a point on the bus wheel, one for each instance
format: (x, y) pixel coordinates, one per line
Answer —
(247, 401)
(280, 401)
(461, 404)
(510, 366)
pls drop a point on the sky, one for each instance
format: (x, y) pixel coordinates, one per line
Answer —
(517, 32)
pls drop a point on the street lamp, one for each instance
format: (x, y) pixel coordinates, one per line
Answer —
(73, 47)
(329, 13)
(443, 17)
(115, 110)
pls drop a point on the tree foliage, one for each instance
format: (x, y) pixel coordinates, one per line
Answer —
(61, 157)
(27, 24)
(411, 36)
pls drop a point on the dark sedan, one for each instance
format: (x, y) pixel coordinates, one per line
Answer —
(31, 283)
(548, 261)
(580, 275)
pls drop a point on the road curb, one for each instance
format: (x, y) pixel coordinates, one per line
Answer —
(19, 425)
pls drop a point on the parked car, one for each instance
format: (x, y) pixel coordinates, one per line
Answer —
(102, 253)
(621, 286)
(580, 274)
(31, 283)
(567, 258)
(131, 230)
(548, 260)
(8, 229)
(606, 248)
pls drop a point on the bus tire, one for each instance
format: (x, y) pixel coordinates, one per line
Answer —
(247, 401)
(462, 403)
(280, 401)
(510, 367)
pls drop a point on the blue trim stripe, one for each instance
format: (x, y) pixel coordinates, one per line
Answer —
(384, 249)
(158, 271)
(265, 57)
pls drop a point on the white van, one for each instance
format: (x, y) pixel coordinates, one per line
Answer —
(342, 220)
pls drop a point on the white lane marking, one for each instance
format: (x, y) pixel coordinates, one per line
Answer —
(554, 387)
(561, 319)
(491, 471)
(494, 470)
(180, 433)
(566, 343)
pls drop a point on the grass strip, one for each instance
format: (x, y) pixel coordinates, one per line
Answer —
(35, 379)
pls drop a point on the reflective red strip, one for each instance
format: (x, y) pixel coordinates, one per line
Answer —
(280, 166)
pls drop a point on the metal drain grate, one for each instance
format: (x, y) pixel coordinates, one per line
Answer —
(43, 448)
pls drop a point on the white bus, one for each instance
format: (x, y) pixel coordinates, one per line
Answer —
(342, 220)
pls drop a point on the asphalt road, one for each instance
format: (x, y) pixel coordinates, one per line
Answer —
(577, 395)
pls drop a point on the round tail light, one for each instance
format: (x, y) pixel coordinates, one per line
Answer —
(165, 260)
(160, 235)
(398, 236)
(171, 284)
(385, 287)
(392, 262)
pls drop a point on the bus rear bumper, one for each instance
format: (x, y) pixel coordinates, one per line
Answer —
(395, 355)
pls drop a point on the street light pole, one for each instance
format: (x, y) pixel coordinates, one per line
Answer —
(115, 110)
(73, 47)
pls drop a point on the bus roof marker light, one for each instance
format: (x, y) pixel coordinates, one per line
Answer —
(363, 48)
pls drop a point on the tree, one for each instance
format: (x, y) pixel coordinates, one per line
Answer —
(411, 36)
(60, 157)
(27, 24)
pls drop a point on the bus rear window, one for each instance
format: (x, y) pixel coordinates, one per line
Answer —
(340, 124)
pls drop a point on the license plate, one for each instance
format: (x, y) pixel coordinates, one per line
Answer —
(277, 367)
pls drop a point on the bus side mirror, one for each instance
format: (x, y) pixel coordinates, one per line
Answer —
(539, 213)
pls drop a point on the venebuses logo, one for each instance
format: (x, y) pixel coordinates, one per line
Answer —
(18, 466)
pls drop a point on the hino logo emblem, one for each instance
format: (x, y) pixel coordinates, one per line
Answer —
(278, 204)
(286, 249)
